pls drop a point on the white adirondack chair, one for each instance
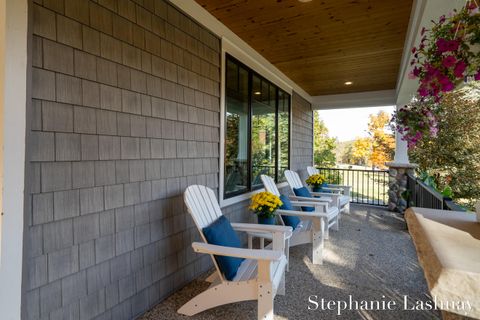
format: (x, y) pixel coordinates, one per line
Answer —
(314, 225)
(261, 275)
(345, 190)
(340, 200)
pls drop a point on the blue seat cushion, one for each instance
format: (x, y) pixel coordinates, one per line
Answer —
(221, 233)
(303, 192)
(291, 221)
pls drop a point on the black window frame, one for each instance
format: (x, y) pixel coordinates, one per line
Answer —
(251, 74)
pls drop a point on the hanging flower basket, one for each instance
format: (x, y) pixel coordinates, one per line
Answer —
(449, 53)
(416, 121)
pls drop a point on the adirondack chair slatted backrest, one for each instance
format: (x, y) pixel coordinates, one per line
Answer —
(312, 170)
(270, 185)
(202, 205)
(204, 209)
(293, 179)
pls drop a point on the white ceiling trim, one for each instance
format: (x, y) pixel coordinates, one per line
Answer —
(355, 100)
(268, 70)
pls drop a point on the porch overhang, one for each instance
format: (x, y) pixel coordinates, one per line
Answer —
(355, 100)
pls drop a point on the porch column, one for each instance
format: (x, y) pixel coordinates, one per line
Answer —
(399, 168)
(13, 101)
(401, 149)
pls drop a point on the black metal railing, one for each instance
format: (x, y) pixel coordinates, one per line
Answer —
(367, 186)
(419, 194)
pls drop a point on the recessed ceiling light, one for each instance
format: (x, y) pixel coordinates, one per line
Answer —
(348, 83)
(257, 93)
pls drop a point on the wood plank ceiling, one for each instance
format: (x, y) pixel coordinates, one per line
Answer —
(323, 44)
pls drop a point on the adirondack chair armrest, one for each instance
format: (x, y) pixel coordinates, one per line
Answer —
(255, 254)
(309, 204)
(251, 227)
(345, 190)
(302, 213)
(334, 190)
(322, 206)
(339, 186)
(325, 194)
(318, 200)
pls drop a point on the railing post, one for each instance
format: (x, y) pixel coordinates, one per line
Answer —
(397, 185)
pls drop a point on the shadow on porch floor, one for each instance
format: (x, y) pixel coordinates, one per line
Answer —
(371, 258)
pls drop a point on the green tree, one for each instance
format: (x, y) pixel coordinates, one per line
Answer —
(346, 154)
(323, 145)
(453, 157)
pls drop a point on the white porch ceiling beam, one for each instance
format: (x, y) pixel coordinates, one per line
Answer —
(354, 100)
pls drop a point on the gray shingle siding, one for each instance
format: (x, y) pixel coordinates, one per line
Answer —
(118, 106)
(125, 115)
(302, 135)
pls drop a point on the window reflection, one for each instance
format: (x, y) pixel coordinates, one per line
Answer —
(236, 130)
(283, 134)
(263, 133)
(257, 130)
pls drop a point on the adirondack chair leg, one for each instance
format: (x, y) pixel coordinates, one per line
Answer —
(317, 241)
(265, 301)
(250, 241)
(347, 208)
(287, 253)
(212, 278)
(215, 296)
(326, 230)
(281, 286)
(265, 292)
(336, 226)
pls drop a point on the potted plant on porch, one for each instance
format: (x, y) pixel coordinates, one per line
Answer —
(264, 204)
(317, 182)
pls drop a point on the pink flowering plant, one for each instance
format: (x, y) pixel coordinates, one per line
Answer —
(416, 121)
(448, 52)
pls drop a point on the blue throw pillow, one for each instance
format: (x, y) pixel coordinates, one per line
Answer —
(221, 233)
(303, 192)
(291, 221)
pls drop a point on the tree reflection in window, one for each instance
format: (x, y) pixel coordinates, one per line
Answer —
(257, 129)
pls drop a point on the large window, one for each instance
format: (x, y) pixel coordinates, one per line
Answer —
(257, 129)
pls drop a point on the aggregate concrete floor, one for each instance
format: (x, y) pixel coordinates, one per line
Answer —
(371, 258)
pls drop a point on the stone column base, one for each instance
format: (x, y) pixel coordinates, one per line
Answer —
(397, 184)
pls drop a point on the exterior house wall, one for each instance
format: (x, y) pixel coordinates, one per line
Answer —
(124, 116)
(302, 135)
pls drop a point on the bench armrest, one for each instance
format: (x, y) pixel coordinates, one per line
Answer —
(255, 254)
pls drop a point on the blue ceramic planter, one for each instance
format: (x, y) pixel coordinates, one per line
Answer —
(320, 188)
(266, 220)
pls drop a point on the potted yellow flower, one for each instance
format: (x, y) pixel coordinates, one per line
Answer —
(264, 205)
(316, 181)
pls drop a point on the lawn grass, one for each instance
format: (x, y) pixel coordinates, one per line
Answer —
(368, 186)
